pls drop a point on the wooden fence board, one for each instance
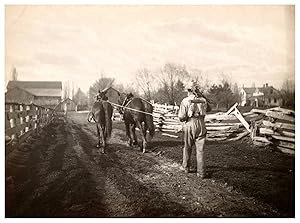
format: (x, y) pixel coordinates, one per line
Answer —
(286, 144)
(286, 150)
(279, 125)
(283, 138)
(32, 117)
(283, 110)
(278, 115)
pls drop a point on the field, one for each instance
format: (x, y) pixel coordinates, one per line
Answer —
(61, 174)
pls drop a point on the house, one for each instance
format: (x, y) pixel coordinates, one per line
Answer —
(68, 104)
(43, 93)
(265, 96)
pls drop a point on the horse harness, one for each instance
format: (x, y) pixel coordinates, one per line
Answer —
(126, 102)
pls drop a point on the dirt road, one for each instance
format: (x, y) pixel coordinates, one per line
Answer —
(62, 174)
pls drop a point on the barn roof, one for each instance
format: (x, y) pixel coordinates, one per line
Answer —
(45, 92)
(38, 88)
(35, 84)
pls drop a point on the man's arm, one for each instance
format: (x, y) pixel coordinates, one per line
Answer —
(182, 113)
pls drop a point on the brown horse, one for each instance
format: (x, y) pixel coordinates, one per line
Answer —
(136, 114)
(101, 113)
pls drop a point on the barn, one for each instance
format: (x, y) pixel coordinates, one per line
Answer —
(112, 94)
(43, 93)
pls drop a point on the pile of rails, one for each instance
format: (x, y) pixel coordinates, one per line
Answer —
(276, 128)
(220, 126)
(223, 126)
(165, 119)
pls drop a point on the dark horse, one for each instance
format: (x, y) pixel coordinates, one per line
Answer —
(135, 115)
(101, 113)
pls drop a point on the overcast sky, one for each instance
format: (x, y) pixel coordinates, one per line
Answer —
(59, 43)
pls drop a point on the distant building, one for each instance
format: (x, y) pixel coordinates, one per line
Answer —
(112, 94)
(43, 93)
(265, 96)
(68, 104)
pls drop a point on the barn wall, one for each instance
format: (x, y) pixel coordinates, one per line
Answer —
(19, 96)
(46, 101)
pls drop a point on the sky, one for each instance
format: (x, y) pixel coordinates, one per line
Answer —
(250, 44)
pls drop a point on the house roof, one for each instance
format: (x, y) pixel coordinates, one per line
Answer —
(269, 91)
(251, 90)
(44, 92)
(38, 88)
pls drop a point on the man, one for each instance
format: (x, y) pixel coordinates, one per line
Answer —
(192, 112)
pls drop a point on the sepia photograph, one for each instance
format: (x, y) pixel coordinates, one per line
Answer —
(149, 111)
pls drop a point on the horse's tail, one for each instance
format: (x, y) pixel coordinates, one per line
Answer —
(149, 118)
(108, 127)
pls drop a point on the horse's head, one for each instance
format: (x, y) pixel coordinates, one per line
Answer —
(101, 95)
(123, 100)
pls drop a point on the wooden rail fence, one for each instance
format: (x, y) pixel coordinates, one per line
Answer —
(21, 120)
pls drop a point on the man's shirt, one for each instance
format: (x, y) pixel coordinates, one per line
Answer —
(189, 109)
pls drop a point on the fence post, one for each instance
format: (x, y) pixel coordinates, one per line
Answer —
(21, 118)
(12, 120)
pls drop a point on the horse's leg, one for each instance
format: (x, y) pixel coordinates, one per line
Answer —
(98, 134)
(103, 136)
(128, 134)
(144, 146)
(145, 127)
(132, 128)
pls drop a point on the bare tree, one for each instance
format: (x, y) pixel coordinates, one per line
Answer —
(170, 75)
(288, 93)
(66, 90)
(102, 83)
(14, 74)
(200, 79)
(129, 88)
(145, 80)
(81, 99)
(72, 90)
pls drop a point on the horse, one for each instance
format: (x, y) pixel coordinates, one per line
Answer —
(101, 113)
(137, 116)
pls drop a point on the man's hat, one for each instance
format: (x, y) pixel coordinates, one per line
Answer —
(190, 85)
